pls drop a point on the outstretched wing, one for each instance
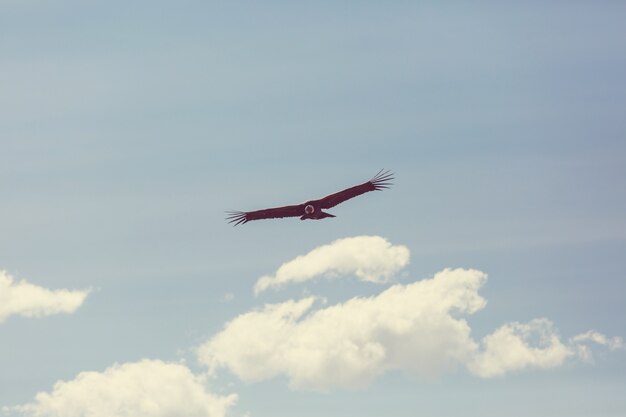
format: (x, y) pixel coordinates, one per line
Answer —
(380, 181)
(239, 217)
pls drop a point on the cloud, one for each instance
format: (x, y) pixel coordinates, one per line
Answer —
(409, 327)
(25, 299)
(148, 388)
(227, 298)
(369, 258)
(583, 351)
(509, 349)
(612, 343)
(417, 328)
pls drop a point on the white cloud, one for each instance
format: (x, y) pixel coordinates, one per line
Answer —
(417, 328)
(409, 327)
(612, 343)
(149, 388)
(583, 351)
(369, 258)
(25, 299)
(509, 349)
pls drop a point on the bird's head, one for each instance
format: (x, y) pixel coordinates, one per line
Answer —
(309, 209)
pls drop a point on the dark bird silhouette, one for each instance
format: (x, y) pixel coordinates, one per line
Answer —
(312, 209)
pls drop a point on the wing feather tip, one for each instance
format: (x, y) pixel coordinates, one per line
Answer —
(236, 217)
(382, 180)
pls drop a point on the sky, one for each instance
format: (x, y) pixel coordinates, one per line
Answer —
(487, 281)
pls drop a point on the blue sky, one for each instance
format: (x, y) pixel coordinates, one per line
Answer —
(126, 131)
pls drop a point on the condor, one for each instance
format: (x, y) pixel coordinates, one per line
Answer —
(312, 209)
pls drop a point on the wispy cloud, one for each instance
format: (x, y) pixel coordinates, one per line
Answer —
(612, 343)
(417, 328)
(148, 388)
(580, 341)
(368, 258)
(227, 298)
(29, 300)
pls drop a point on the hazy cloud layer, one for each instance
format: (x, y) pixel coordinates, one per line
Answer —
(417, 328)
(25, 299)
(369, 258)
(149, 388)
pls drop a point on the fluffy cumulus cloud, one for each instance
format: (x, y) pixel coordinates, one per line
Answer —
(25, 299)
(536, 344)
(418, 328)
(517, 346)
(369, 258)
(149, 388)
(412, 327)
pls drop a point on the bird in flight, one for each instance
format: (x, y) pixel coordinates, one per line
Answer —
(312, 209)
